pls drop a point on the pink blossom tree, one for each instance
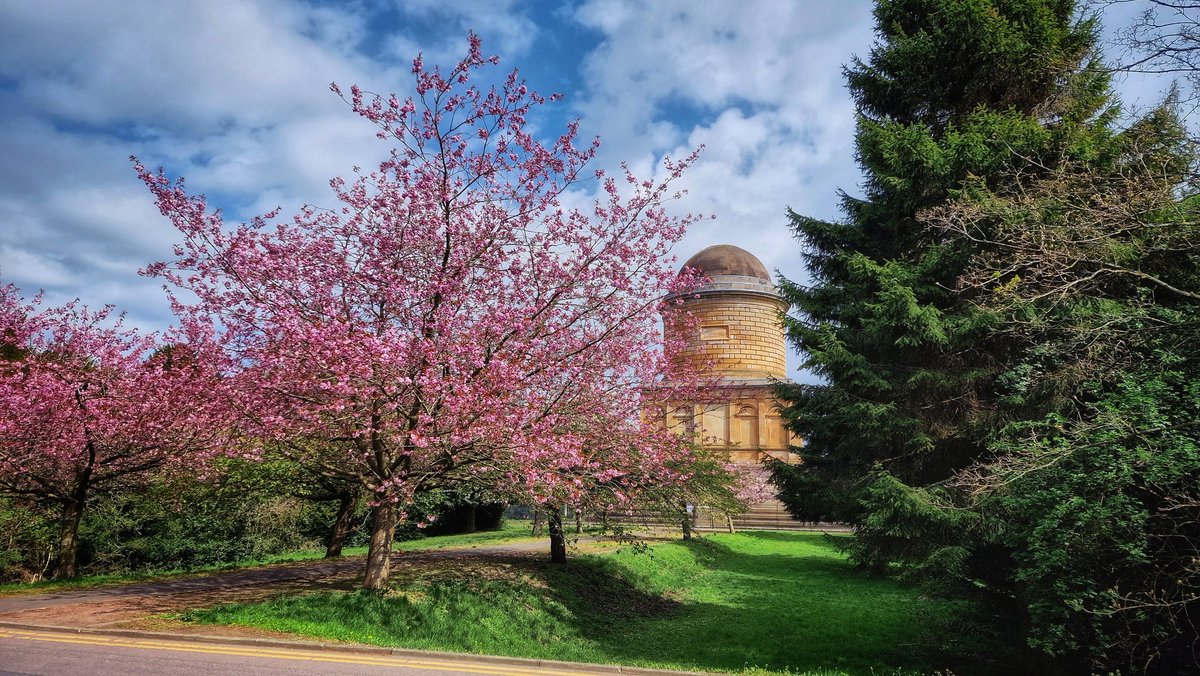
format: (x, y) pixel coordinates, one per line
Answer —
(87, 405)
(452, 321)
(616, 465)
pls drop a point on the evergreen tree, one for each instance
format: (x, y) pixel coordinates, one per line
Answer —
(1091, 481)
(953, 89)
(1005, 326)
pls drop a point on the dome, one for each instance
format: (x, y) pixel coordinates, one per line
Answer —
(726, 259)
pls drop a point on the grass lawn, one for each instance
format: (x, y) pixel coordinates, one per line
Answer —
(767, 602)
(511, 531)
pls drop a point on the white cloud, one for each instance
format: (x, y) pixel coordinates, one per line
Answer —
(233, 95)
(501, 25)
(189, 66)
(776, 121)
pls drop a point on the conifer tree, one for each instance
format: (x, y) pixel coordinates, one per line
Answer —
(953, 89)
(1005, 322)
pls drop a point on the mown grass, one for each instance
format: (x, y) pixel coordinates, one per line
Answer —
(511, 532)
(765, 602)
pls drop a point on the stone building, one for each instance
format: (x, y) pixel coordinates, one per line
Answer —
(740, 340)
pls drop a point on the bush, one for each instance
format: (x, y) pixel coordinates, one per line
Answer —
(242, 511)
(28, 535)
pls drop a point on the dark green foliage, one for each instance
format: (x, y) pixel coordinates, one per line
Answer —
(918, 528)
(949, 96)
(454, 515)
(242, 512)
(1093, 463)
(187, 526)
(1102, 511)
(28, 540)
(880, 322)
(1006, 326)
(926, 70)
(449, 512)
(816, 491)
(455, 519)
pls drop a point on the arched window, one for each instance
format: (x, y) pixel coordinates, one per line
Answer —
(715, 425)
(745, 427)
(776, 435)
(683, 420)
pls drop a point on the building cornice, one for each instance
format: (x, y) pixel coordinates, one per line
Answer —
(733, 286)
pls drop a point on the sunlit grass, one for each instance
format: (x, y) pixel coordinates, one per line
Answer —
(511, 531)
(766, 602)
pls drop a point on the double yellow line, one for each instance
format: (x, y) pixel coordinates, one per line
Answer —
(299, 653)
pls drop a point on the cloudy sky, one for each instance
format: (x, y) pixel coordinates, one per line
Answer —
(233, 95)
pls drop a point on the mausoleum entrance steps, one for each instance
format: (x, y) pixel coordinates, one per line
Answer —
(767, 515)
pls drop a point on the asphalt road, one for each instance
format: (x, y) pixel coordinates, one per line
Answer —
(26, 648)
(44, 652)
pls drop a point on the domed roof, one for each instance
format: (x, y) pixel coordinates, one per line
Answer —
(726, 259)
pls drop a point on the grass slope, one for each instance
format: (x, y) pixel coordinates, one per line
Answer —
(770, 602)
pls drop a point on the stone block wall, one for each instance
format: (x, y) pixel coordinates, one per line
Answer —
(744, 424)
(739, 335)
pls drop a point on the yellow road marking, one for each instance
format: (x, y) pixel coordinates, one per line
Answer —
(299, 653)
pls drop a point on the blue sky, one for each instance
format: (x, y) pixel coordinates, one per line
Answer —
(233, 95)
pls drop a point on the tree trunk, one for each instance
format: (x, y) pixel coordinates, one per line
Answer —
(537, 522)
(470, 527)
(68, 541)
(347, 505)
(578, 522)
(558, 540)
(729, 521)
(379, 561)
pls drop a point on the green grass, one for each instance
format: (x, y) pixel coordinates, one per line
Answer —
(764, 602)
(511, 531)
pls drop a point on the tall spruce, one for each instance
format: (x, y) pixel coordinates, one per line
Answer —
(1005, 326)
(952, 90)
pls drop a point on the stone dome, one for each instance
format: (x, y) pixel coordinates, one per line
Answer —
(725, 259)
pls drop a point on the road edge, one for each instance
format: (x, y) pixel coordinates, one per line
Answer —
(351, 648)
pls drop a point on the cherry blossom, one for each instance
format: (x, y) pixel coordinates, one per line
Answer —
(87, 405)
(451, 321)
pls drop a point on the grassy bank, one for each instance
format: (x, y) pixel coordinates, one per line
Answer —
(772, 602)
(511, 532)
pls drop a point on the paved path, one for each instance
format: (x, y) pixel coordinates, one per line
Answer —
(287, 575)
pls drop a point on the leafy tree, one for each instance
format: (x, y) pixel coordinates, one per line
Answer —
(86, 407)
(451, 323)
(27, 546)
(707, 480)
